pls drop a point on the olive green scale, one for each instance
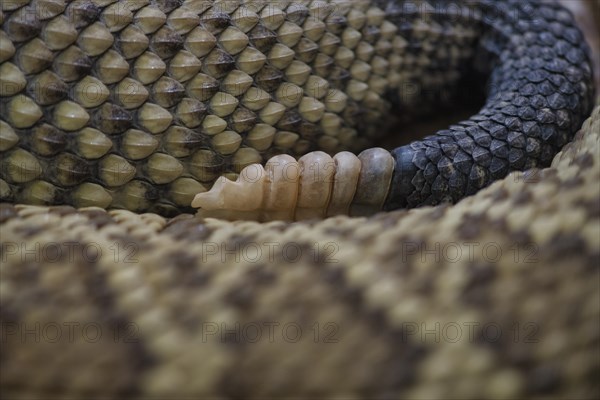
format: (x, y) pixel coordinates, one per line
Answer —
(141, 105)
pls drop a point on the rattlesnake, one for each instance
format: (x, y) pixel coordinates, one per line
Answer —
(495, 296)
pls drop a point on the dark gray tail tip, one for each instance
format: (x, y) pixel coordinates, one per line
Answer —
(404, 172)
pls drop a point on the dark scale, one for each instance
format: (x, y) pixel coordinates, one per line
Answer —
(72, 64)
(166, 42)
(46, 140)
(336, 23)
(82, 13)
(167, 92)
(309, 131)
(167, 6)
(68, 170)
(47, 88)
(181, 142)
(218, 63)
(22, 25)
(208, 88)
(215, 22)
(262, 38)
(291, 121)
(112, 119)
(269, 78)
(190, 112)
(296, 13)
(338, 77)
(242, 120)
(306, 50)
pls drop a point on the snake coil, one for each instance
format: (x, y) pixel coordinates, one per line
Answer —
(119, 108)
(142, 105)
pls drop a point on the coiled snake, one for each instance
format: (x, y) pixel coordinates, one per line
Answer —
(137, 106)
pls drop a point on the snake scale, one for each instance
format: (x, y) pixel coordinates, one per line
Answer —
(116, 114)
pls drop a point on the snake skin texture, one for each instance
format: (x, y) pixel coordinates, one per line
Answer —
(526, 119)
(141, 105)
(115, 114)
(339, 308)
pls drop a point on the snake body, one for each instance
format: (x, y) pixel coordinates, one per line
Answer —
(140, 106)
(137, 106)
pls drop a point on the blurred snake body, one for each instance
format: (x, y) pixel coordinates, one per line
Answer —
(268, 111)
